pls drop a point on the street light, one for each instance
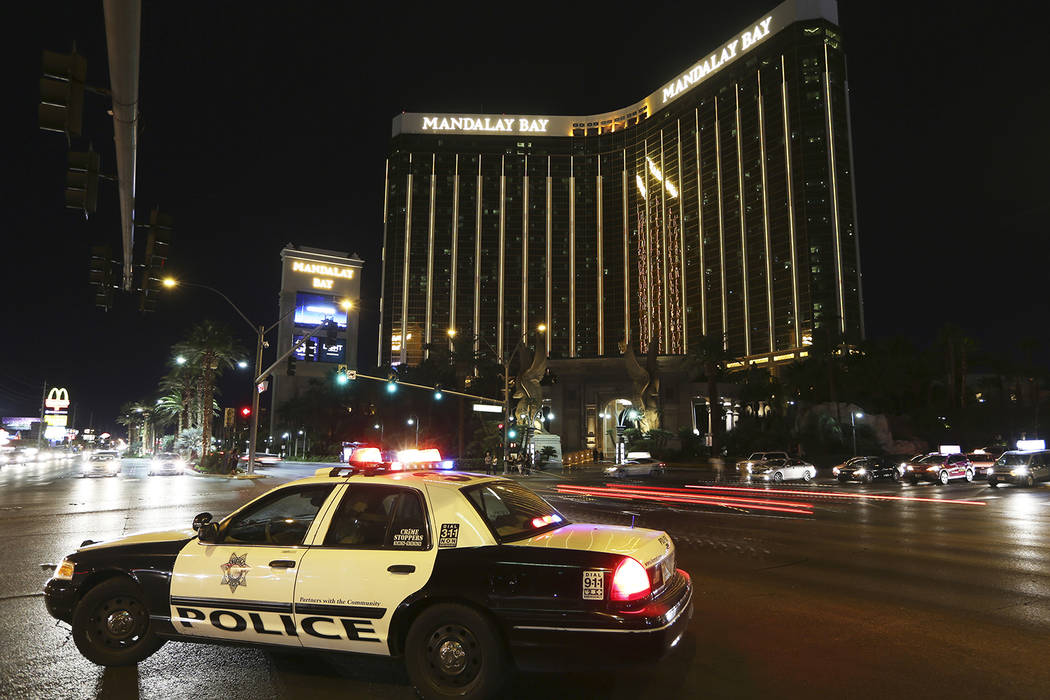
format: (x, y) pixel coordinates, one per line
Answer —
(853, 416)
(414, 420)
(180, 360)
(242, 364)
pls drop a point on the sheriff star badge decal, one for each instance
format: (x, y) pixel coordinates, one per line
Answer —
(235, 572)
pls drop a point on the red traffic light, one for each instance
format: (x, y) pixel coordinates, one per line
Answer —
(246, 411)
(500, 426)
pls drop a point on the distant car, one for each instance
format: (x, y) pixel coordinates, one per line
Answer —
(264, 458)
(867, 469)
(100, 463)
(981, 461)
(167, 463)
(1021, 468)
(643, 466)
(757, 458)
(937, 467)
(788, 469)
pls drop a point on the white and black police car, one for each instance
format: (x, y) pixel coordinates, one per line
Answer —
(463, 575)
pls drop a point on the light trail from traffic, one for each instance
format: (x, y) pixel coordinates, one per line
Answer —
(671, 496)
(811, 494)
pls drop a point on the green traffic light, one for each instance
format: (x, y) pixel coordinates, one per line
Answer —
(341, 378)
(512, 433)
(438, 396)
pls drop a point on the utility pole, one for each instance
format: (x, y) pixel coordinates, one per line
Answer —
(253, 431)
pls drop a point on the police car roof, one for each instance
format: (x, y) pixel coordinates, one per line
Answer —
(439, 477)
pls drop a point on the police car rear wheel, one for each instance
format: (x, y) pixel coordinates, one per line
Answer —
(111, 625)
(454, 651)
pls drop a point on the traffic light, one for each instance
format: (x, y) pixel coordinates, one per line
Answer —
(341, 375)
(438, 394)
(500, 426)
(311, 350)
(246, 411)
(82, 181)
(512, 433)
(290, 369)
(391, 382)
(160, 233)
(102, 275)
(61, 106)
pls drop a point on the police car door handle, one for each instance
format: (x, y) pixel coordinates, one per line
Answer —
(401, 568)
(282, 564)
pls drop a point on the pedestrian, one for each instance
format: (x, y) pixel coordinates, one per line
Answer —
(489, 464)
(528, 463)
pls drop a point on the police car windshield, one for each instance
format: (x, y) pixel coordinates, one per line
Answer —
(513, 511)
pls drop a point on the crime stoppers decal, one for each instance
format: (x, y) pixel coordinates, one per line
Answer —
(449, 536)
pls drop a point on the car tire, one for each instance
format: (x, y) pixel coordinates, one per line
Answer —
(868, 478)
(913, 480)
(896, 476)
(969, 476)
(1029, 481)
(777, 477)
(993, 481)
(111, 625)
(806, 476)
(944, 477)
(454, 651)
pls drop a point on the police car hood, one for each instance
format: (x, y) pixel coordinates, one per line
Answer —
(647, 546)
(142, 538)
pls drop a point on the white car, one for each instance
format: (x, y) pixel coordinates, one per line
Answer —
(643, 466)
(777, 470)
(101, 463)
(167, 463)
(757, 459)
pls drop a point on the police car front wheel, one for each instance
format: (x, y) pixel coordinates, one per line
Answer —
(453, 651)
(111, 625)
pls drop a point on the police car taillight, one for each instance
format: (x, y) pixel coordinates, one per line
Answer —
(630, 581)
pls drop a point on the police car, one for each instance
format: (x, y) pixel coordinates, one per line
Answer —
(463, 575)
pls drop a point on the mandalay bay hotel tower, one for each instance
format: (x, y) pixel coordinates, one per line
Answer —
(722, 205)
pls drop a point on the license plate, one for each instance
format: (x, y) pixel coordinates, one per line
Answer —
(593, 585)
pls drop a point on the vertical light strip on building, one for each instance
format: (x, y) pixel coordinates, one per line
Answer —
(665, 293)
(700, 227)
(404, 276)
(765, 216)
(721, 223)
(382, 259)
(477, 264)
(525, 249)
(601, 266)
(430, 255)
(790, 203)
(550, 264)
(455, 249)
(743, 224)
(626, 265)
(572, 257)
(681, 245)
(646, 228)
(834, 195)
(502, 252)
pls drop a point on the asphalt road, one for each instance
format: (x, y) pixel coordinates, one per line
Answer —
(932, 592)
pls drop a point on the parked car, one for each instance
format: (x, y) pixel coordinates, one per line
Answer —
(746, 465)
(938, 467)
(788, 469)
(867, 469)
(1021, 468)
(981, 461)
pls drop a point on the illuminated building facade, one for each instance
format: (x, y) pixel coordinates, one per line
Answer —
(720, 205)
(316, 285)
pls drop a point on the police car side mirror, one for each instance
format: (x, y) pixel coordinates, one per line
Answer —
(200, 519)
(209, 533)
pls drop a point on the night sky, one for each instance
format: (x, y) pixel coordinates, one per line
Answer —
(268, 123)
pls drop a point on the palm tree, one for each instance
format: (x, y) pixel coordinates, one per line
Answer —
(209, 350)
(707, 358)
(137, 417)
(180, 384)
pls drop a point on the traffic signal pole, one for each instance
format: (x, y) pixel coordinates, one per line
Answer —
(253, 431)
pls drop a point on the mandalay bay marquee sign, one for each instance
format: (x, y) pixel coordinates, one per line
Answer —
(758, 32)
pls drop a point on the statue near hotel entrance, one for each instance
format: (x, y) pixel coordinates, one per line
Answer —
(646, 390)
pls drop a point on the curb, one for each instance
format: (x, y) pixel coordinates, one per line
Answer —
(229, 476)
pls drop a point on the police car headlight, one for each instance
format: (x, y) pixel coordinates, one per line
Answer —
(861, 472)
(934, 468)
(1020, 471)
(835, 471)
(64, 571)
(990, 470)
